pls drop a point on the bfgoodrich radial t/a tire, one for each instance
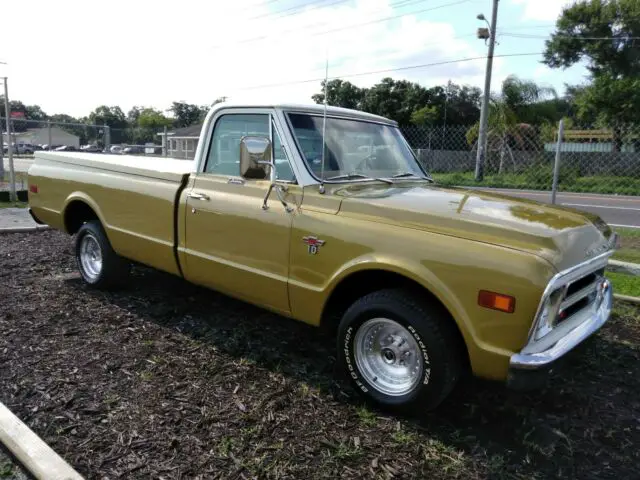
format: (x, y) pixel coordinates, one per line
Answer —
(398, 351)
(99, 265)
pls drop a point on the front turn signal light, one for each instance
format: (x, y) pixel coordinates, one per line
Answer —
(496, 301)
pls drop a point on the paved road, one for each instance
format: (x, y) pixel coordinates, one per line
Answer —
(616, 210)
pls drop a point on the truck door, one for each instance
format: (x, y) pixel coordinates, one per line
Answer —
(231, 244)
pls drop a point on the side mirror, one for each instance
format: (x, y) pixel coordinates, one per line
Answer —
(256, 158)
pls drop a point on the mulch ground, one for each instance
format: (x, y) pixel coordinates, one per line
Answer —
(167, 380)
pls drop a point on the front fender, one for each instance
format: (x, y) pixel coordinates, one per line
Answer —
(412, 270)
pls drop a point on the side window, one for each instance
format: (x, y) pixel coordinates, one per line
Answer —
(283, 167)
(224, 153)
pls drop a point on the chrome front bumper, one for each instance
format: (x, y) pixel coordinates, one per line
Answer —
(549, 342)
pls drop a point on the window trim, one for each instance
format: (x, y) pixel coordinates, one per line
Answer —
(210, 140)
(272, 126)
(303, 159)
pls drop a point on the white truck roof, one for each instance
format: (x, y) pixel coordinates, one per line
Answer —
(307, 107)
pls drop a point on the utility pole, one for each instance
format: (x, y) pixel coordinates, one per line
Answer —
(484, 112)
(12, 175)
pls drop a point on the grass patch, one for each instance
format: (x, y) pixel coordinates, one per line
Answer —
(627, 255)
(629, 245)
(537, 179)
(625, 284)
(14, 205)
(6, 470)
(628, 233)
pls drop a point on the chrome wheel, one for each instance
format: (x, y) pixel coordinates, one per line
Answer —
(90, 256)
(388, 356)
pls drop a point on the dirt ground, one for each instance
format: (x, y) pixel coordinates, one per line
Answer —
(167, 380)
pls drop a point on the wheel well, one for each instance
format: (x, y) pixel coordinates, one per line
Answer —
(362, 283)
(77, 213)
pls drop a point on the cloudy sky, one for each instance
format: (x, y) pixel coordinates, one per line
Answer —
(70, 56)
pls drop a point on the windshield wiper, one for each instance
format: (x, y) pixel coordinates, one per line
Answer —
(351, 176)
(410, 174)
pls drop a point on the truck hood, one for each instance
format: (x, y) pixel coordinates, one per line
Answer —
(561, 235)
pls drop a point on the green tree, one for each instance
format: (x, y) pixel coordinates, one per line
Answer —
(113, 117)
(603, 34)
(186, 114)
(148, 123)
(506, 128)
(396, 99)
(341, 93)
(424, 116)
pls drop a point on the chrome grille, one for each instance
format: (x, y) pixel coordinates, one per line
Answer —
(579, 295)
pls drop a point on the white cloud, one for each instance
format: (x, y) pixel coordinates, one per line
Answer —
(545, 10)
(77, 55)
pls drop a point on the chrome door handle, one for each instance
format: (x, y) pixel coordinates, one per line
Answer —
(198, 196)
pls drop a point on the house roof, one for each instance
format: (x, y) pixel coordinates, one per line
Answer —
(192, 131)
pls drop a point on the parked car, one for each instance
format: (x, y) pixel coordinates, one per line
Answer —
(133, 150)
(90, 149)
(18, 148)
(66, 148)
(417, 282)
(24, 148)
(48, 147)
(115, 149)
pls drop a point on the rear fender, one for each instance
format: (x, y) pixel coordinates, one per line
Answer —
(83, 197)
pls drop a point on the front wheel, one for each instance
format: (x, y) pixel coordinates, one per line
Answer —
(399, 352)
(99, 265)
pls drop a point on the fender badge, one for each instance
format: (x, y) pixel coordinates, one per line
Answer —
(313, 243)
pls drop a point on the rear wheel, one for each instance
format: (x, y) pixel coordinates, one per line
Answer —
(98, 263)
(399, 352)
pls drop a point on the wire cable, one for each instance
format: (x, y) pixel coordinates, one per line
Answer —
(357, 25)
(571, 37)
(387, 70)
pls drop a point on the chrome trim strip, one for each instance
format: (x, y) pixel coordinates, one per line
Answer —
(564, 277)
(587, 328)
(601, 311)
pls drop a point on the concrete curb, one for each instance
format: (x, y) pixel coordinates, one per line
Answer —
(626, 298)
(31, 451)
(624, 267)
(24, 229)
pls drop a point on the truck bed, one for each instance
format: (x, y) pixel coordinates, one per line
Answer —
(134, 197)
(162, 168)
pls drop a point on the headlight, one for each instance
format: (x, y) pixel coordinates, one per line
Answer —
(548, 313)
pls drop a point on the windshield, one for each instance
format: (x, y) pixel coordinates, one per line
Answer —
(354, 149)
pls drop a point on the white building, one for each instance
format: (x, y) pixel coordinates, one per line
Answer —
(40, 136)
(182, 142)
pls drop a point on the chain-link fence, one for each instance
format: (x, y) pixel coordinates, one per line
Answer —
(29, 136)
(596, 160)
(521, 156)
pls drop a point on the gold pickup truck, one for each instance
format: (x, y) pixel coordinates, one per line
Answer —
(327, 217)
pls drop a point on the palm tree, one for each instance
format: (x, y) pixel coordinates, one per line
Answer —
(509, 115)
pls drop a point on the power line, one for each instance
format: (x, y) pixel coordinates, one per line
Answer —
(298, 9)
(249, 40)
(357, 25)
(530, 27)
(254, 5)
(388, 70)
(571, 37)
